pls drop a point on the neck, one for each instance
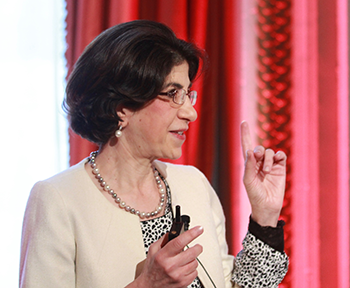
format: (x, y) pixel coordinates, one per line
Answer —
(142, 194)
(124, 169)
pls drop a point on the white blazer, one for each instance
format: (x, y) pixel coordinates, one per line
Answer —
(74, 237)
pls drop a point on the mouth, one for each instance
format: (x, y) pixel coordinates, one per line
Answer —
(179, 133)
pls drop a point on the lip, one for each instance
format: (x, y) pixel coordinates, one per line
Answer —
(179, 134)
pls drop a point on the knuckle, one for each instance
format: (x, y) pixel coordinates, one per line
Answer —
(188, 279)
(284, 155)
(194, 265)
(184, 239)
(191, 277)
(159, 259)
(151, 249)
(178, 243)
(176, 276)
(169, 270)
(259, 149)
(198, 249)
(193, 252)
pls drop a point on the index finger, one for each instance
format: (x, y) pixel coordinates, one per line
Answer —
(246, 140)
(177, 245)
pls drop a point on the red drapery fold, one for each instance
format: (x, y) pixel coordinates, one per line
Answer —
(312, 128)
(274, 93)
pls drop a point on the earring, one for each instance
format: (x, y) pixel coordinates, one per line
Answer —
(119, 132)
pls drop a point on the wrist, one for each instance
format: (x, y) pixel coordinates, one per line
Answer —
(139, 282)
(265, 219)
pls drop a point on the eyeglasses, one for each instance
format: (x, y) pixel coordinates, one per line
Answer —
(179, 96)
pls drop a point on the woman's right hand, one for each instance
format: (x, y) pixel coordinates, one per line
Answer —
(170, 265)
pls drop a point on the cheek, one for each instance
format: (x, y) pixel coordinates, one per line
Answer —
(162, 113)
(155, 119)
(160, 108)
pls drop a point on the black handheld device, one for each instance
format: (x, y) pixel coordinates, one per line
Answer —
(180, 224)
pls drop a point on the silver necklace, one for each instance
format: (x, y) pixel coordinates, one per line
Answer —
(118, 200)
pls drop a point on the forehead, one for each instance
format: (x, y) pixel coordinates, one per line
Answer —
(178, 77)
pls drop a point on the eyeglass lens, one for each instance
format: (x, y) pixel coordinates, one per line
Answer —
(181, 94)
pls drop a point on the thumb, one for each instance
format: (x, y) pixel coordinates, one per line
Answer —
(165, 240)
(157, 245)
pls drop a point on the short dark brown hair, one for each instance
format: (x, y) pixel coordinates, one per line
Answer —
(125, 66)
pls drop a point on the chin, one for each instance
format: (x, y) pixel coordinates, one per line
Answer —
(173, 156)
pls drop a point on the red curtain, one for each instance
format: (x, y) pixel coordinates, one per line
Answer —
(274, 93)
(301, 97)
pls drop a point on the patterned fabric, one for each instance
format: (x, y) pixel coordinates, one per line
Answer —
(154, 229)
(259, 265)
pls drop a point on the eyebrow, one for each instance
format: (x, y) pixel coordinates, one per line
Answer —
(177, 85)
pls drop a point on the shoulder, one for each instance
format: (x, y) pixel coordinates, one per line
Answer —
(71, 176)
(61, 185)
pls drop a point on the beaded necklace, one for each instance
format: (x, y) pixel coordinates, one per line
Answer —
(118, 200)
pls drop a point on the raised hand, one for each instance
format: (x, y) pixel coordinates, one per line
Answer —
(170, 265)
(264, 179)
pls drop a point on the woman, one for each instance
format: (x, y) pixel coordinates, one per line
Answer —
(104, 221)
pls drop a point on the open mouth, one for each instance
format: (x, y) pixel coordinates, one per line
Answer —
(179, 133)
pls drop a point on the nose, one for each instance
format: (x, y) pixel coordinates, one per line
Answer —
(187, 111)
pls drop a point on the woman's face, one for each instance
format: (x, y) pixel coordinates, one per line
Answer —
(158, 130)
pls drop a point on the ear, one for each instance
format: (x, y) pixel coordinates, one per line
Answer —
(124, 114)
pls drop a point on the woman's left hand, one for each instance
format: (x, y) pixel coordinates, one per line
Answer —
(264, 179)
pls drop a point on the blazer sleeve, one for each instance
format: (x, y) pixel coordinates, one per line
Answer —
(219, 219)
(48, 245)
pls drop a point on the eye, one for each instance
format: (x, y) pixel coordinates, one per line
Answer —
(172, 92)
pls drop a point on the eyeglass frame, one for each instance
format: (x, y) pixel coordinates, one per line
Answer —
(172, 94)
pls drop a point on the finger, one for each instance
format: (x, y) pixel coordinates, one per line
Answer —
(183, 277)
(246, 141)
(189, 271)
(259, 152)
(178, 244)
(190, 278)
(189, 255)
(191, 267)
(185, 274)
(183, 264)
(268, 160)
(249, 167)
(280, 156)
